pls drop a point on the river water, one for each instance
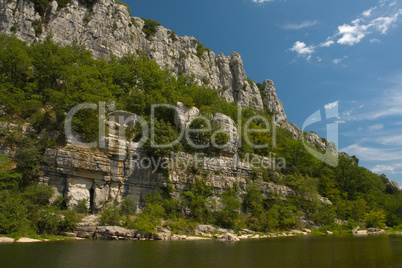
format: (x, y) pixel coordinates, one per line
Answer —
(310, 251)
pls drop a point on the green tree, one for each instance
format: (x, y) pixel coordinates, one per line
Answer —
(230, 212)
(9, 179)
(375, 219)
(196, 200)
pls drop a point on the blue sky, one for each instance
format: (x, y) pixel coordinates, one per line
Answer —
(317, 52)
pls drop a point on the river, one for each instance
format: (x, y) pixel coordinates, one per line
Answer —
(309, 251)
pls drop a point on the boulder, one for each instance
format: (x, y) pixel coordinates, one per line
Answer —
(113, 233)
(228, 126)
(27, 240)
(6, 240)
(202, 228)
(197, 238)
(228, 238)
(67, 234)
(162, 234)
(184, 115)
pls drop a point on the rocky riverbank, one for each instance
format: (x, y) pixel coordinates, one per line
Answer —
(89, 228)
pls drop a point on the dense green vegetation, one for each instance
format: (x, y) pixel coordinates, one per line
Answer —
(149, 27)
(25, 209)
(39, 84)
(201, 49)
(43, 6)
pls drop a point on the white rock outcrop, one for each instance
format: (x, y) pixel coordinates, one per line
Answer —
(107, 28)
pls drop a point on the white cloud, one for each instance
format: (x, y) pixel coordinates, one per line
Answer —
(299, 26)
(339, 60)
(367, 13)
(376, 20)
(319, 59)
(376, 127)
(302, 49)
(391, 140)
(331, 105)
(382, 168)
(388, 103)
(382, 24)
(351, 34)
(327, 43)
(261, 1)
(374, 154)
(394, 169)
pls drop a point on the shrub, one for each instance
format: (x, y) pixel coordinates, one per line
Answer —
(38, 195)
(201, 49)
(41, 6)
(111, 215)
(88, 3)
(28, 159)
(150, 27)
(62, 3)
(124, 4)
(13, 215)
(82, 207)
(181, 226)
(9, 179)
(127, 206)
(375, 219)
(230, 212)
(196, 200)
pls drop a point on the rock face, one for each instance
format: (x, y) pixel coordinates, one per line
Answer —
(227, 126)
(107, 28)
(228, 238)
(184, 115)
(271, 101)
(316, 141)
(99, 177)
(120, 168)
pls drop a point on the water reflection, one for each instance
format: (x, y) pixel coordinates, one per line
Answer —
(314, 251)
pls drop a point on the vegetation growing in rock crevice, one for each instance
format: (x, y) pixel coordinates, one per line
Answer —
(201, 49)
(149, 27)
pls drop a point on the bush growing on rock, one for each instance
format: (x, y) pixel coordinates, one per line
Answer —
(150, 27)
(111, 215)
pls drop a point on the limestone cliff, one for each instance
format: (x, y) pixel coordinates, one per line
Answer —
(107, 28)
(110, 173)
(121, 168)
(103, 176)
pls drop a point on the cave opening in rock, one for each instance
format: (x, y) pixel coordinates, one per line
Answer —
(91, 199)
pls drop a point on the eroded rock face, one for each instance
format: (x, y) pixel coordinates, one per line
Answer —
(316, 141)
(227, 126)
(107, 28)
(98, 177)
(110, 173)
(271, 101)
(184, 115)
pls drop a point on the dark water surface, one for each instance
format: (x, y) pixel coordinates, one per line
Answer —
(311, 251)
